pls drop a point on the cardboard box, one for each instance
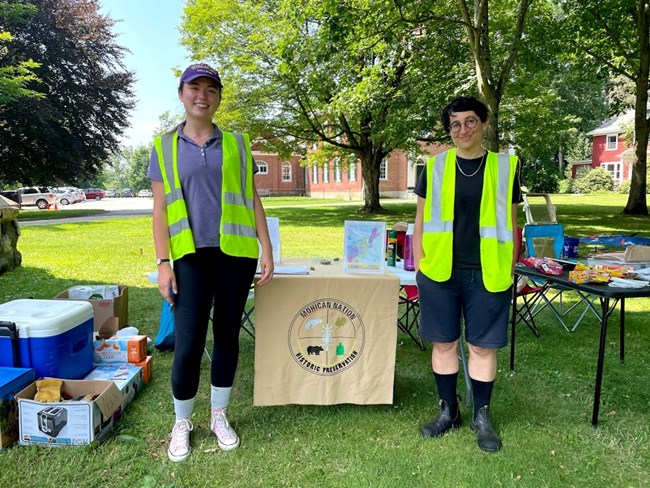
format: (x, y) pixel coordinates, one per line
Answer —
(127, 377)
(68, 423)
(147, 369)
(12, 380)
(106, 310)
(127, 349)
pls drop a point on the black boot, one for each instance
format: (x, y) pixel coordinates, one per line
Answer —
(442, 423)
(487, 438)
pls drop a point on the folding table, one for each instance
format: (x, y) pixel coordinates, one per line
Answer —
(609, 297)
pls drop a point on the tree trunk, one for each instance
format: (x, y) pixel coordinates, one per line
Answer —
(636, 201)
(370, 163)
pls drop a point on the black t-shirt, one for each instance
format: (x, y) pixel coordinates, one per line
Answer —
(467, 204)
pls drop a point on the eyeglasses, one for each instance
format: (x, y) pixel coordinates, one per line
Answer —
(470, 123)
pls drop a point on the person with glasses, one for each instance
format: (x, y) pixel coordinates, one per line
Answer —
(207, 218)
(465, 248)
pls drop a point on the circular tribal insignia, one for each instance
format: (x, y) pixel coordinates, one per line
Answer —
(326, 337)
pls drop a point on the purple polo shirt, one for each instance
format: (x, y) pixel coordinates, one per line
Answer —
(199, 169)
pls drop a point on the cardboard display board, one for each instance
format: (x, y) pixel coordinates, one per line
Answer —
(326, 338)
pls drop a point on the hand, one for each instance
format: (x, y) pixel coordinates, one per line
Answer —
(266, 268)
(167, 282)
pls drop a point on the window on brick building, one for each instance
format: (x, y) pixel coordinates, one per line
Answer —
(314, 174)
(612, 142)
(352, 172)
(337, 170)
(614, 169)
(383, 170)
(286, 171)
(263, 168)
(326, 173)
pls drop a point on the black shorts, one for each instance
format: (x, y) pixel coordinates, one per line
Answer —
(486, 314)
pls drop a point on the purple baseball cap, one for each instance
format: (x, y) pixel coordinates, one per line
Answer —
(194, 71)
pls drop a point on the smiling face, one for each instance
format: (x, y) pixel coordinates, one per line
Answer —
(466, 131)
(201, 98)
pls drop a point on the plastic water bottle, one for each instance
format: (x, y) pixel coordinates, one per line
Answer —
(409, 262)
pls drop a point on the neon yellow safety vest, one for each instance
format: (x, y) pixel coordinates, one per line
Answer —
(238, 236)
(495, 220)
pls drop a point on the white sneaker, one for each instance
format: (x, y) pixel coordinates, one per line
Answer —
(227, 438)
(179, 447)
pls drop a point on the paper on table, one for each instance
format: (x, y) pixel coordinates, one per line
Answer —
(289, 270)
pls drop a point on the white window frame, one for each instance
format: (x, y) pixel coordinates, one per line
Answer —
(352, 172)
(383, 170)
(337, 170)
(262, 167)
(613, 146)
(326, 173)
(614, 168)
(286, 175)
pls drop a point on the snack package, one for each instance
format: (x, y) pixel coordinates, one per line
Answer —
(545, 265)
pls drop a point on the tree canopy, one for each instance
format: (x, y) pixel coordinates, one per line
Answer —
(68, 133)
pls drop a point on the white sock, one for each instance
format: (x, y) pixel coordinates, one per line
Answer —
(219, 396)
(183, 408)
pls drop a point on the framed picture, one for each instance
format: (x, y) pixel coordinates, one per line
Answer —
(364, 246)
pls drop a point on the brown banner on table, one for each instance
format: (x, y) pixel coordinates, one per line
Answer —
(326, 338)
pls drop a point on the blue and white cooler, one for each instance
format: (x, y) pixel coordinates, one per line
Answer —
(55, 337)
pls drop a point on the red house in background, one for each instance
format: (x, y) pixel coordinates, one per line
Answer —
(609, 150)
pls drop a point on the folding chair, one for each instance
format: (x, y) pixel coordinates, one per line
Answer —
(539, 209)
(530, 293)
(408, 320)
(547, 240)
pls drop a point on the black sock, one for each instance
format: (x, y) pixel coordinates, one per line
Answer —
(482, 393)
(446, 384)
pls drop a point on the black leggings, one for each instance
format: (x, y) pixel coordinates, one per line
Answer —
(202, 278)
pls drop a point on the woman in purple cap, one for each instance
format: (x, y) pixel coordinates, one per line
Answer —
(208, 219)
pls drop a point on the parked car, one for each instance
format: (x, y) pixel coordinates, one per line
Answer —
(94, 193)
(64, 197)
(41, 196)
(145, 193)
(126, 192)
(77, 194)
(13, 195)
(110, 193)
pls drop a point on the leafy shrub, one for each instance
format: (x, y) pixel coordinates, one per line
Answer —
(624, 187)
(593, 181)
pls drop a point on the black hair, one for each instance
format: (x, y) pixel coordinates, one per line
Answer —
(464, 104)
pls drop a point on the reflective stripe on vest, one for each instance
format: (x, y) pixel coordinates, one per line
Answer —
(495, 219)
(181, 241)
(237, 228)
(238, 235)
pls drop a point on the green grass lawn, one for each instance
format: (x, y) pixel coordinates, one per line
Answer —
(542, 410)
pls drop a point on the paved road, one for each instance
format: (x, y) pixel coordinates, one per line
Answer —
(115, 207)
(125, 207)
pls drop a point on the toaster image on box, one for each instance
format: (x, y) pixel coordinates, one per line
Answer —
(51, 420)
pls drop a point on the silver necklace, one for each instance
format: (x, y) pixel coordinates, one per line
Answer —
(477, 169)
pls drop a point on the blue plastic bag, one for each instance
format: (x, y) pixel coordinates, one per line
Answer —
(166, 337)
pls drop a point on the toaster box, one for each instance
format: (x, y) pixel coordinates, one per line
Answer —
(106, 310)
(12, 381)
(85, 415)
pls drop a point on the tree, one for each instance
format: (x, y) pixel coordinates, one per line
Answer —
(348, 76)
(494, 41)
(616, 35)
(13, 79)
(66, 136)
